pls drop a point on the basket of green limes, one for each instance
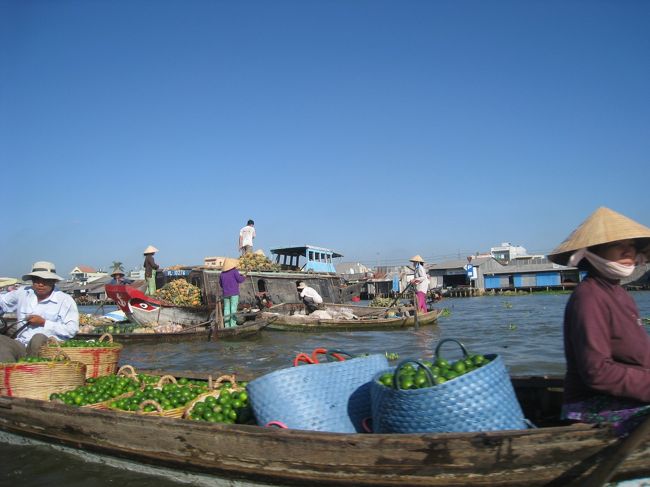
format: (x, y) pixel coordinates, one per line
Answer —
(471, 394)
(38, 378)
(100, 356)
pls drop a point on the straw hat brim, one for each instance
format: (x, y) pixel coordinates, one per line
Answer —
(416, 258)
(150, 250)
(42, 275)
(229, 263)
(601, 227)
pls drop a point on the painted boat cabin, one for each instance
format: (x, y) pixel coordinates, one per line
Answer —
(316, 259)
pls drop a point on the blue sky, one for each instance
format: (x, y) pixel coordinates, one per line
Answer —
(380, 129)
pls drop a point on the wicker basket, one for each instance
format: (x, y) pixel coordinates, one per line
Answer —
(99, 361)
(214, 392)
(480, 400)
(126, 371)
(330, 396)
(39, 380)
(168, 413)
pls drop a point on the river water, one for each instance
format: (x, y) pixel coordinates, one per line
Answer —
(526, 330)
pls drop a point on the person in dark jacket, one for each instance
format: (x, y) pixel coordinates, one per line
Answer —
(118, 278)
(229, 280)
(606, 347)
(150, 268)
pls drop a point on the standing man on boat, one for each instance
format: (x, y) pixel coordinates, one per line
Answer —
(150, 268)
(310, 297)
(421, 283)
(42, 311)
(229, 280)
(246, 236)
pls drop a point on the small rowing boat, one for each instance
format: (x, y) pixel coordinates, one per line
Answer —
(338, 317)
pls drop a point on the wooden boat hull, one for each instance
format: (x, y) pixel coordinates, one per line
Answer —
(248, 328)
(300, 322)
(145, 311)
(544, 456)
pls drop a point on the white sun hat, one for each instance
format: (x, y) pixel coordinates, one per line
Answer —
(44, 270)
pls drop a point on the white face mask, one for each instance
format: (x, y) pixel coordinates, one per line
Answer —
(606, 268)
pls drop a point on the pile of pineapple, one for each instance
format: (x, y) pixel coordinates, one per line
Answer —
(256, 262)
(179, 292)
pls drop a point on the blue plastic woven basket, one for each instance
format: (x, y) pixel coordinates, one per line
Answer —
(480, 400)
(332, 396)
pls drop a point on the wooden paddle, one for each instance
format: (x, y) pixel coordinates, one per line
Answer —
(399, 296)
(606, 469)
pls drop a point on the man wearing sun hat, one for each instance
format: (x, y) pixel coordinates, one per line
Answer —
(118, 278)
(421, 282)
(607, 349)
(41, 310)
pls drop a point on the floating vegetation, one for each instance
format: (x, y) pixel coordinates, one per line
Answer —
(445, 312)
(512, 326)
(392, 355)
(646, 321)
(507, 304)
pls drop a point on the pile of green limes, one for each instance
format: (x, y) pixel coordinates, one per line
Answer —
(169, 396)
(86, 344)
(33, 360)
(97, 389)
(229, 407)
(412, 376)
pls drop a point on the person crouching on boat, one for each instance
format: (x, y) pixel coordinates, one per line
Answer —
(607, 349)
(150, 268)
(230, 279)
(310, 298)
(42, 311)
(420, 283)
(118, 278)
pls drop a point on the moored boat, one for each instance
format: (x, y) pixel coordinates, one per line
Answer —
(555, 453)
(148, 311)
(204, 332)
(291, 317)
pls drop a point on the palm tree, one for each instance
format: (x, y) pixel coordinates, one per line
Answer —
(117, 266)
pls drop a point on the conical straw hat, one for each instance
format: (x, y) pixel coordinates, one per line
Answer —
(416, 258)
(602, 226)
(150, 250)
(229, 263)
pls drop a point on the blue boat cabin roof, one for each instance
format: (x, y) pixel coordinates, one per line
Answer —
(319, 259)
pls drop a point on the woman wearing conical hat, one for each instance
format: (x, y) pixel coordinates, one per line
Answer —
(606, 347)
(421, 283)
(150, 268)
(229, 280)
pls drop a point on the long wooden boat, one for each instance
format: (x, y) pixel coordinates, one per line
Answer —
(552, 454)
(207, 332)
(290, 317)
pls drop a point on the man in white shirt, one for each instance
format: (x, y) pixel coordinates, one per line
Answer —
(246, 236)
(310, 297)
(42, 311)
